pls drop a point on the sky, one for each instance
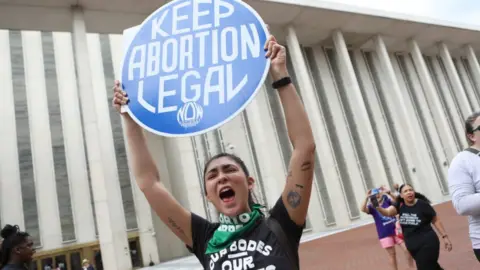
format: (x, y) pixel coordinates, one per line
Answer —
(459, 11)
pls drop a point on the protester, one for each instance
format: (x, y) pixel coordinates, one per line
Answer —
(464, 180)
(17, 249)
(244, 237)
(86, 265)
(386, 229)
(416, 217)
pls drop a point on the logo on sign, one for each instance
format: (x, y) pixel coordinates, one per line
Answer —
(193, 65)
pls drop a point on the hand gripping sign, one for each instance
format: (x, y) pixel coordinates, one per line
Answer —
(193, 65)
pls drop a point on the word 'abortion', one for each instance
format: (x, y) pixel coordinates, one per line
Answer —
(175, 51)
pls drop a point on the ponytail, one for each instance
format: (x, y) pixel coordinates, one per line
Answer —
(422, 197)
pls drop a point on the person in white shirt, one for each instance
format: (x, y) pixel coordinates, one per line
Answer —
(464, 180)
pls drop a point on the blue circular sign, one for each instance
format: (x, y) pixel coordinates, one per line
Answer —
(193, 65)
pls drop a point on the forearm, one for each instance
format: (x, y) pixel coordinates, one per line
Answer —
(388, 212)
(439, 227)
(364, 207)
(298, 125)
(143, 166)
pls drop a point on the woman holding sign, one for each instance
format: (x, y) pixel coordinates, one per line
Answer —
(416, 219)
(244, 238)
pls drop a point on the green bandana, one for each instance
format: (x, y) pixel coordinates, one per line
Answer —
(233, 227)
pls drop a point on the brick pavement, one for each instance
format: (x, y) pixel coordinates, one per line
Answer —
(359, 248)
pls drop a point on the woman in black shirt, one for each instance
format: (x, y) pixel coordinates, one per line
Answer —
(416, 216)
(243, 238)
(17, 249)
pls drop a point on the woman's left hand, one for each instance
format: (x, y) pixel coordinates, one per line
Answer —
(278, 58)
(448, 244)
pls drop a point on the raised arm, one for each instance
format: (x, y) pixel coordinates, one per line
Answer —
(297, 191)
(464, 197)
(177, 218)
(389, 194)
(364, 207)
(390, 211)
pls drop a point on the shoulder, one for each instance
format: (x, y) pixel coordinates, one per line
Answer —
(280, 214)
(462, 159)
(202, 231)
(424, 204)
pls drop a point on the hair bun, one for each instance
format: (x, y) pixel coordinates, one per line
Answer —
(9, 230)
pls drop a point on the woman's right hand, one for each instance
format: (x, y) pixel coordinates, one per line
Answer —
(448, 244)
(119, 97)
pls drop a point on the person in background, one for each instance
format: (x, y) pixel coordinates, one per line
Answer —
(464, 180)
(416, 219)
(17, 248)
(385, 225)
(395, 192)
(86, 265)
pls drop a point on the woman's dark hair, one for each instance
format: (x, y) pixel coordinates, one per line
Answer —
(469, 126)
(418, 195)
(239, 161)
(12, 237)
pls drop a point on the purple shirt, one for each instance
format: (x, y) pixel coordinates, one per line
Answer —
(385, 225)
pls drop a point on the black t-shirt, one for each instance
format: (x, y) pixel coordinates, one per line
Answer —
(416, 220)
(258, 249)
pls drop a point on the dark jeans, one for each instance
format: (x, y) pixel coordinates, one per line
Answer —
(477, 254)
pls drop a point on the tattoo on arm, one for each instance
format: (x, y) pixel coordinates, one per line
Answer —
(175, 226)
(307, 165)
(299, 186)
(294, 199)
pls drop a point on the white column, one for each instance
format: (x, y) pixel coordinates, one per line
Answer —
(457, 120)
(266, 145)
(435, 105)
(146, 230)
(432, 155)
(410, 141)
(73, 137)
(324, 149)
(460, 94)
(474, 66)
(355, 99)
(467, 84)
(201, 152)
(332, 98)
(184, 184)
(384, 138)
(11, 205)
(113, 236)
(42, 156)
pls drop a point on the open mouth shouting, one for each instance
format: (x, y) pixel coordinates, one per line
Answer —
(227, 195)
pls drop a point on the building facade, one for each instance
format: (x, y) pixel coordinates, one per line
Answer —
(386, 97)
